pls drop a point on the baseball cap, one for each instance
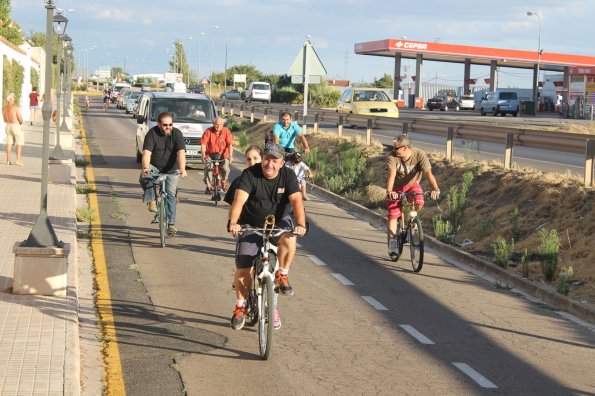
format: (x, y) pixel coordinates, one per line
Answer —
(400, 141)
(274, 149)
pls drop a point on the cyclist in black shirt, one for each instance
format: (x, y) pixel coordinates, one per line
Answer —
(163, 149)
(264, 189)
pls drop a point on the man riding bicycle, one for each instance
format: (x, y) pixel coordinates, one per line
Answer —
(216, 139)
(286, 132)
(264, 189)
(405, 168)
(163, 149)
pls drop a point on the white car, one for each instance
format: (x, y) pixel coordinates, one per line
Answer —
(258, 91)
(467, 102)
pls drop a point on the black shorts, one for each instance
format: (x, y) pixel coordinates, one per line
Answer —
(249, 244)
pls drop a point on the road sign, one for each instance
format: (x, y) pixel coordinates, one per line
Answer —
(239, 78)
(204, 81)
(314, 66)
(300, 79)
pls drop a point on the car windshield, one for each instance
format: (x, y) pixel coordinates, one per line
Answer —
(508, 95)
(439, 98)
(135, 94)
(184, 110)
(371, 95)
(118, 88)
(261, 86)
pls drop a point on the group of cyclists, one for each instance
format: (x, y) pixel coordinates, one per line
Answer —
(265, 187)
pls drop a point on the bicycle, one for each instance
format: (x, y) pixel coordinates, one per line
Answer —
(410, 232)
(213, 167)
(263, 294)
(106, 104)
(162, 206)
(87, 104)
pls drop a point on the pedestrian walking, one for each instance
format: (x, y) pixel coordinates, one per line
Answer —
(14, 130)
(33, 104)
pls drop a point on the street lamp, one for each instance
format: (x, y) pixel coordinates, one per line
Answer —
(211, 82)
(225, 72)
(60, 23)
(43, 234)
(198, 70)
(536, 87)
(188, 62)
(65, 83)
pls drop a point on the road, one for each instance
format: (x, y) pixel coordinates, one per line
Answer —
(357, 324)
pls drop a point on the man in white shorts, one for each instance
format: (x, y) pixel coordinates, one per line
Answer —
(14, 130)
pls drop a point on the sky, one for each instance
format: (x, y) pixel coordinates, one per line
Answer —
(269, 34)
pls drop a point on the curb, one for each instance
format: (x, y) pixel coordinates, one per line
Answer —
(450, 254)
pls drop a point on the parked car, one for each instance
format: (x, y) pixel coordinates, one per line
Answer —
(116, 91)
(367, 101)
(193, 114)
(258, 91)
(443, 103)
(233, 94)
(196, 88)
(122, 98)
(500, 102)
(132, 99)
(467, 102)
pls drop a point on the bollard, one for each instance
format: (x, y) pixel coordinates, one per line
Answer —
(252, 114)
(316, 120)
(369, 132)
(231, 109)
(508, 152)
(241, 111)
(449, 142)
(266, 113)
(222, 107)
(340, 126)
(589, 162)
(296, 114)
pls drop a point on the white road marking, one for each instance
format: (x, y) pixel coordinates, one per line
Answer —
(343, 279)
(375, 303)
(475, 376)
(316, 260)
(413, 332)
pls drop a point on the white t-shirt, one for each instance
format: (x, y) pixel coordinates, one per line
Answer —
(300, 170)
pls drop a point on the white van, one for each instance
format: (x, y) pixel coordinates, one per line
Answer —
(193, 114)
(500, 102)
(258, 91)
(116, 91)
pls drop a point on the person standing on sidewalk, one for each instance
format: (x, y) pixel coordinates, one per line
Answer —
(33, 104)
(14, 130)
(216, 139)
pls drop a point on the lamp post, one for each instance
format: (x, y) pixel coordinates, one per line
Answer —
(43, 234)
(225, 72)
(536, 87)
(188, 63)
(198, 70)
(211, 82)
(66, 82)
(62, 22)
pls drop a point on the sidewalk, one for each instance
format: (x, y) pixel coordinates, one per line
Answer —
(39, 336)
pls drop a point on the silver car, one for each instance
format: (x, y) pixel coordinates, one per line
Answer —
(131, 100)
(234, 94)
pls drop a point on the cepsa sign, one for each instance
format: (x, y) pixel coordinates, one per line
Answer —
(411, 45)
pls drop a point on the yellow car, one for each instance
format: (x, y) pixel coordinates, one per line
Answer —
(367, 101)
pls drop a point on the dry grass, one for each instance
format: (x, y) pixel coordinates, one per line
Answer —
(557, 201)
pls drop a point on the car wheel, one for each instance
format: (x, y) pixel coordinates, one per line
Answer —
(223, 97)
(503, 114)
(431, 108)
(495, 112)
(514, 113)
(482, 111)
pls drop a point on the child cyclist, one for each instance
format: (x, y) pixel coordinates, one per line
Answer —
(296, 163)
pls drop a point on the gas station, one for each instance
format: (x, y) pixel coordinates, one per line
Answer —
(577, 85)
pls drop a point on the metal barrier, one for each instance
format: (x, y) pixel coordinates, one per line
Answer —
(509, 136)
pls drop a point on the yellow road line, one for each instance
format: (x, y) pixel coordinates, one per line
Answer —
(114, 378)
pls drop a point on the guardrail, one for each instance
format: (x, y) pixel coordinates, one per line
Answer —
(510, 136)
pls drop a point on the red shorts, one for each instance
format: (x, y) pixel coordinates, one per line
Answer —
(394, 206)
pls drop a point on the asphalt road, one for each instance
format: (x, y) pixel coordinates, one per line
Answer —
(357, 324)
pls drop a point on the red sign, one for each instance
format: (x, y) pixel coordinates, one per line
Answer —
(574, 71)
(487, 80)
(471, 81)
(558, 83)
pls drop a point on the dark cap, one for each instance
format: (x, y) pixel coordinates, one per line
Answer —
(275, 150)
(400, 141)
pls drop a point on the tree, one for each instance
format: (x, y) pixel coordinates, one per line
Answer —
(178, 63)
(385, 82)
(252, 74)
(37, 38)
(9, 28)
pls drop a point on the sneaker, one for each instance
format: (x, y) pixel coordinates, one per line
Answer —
(238, 318)
(393, 251)
(171, 230)
(152, 206)
(282, 282)
(276, 320)
(224, 186)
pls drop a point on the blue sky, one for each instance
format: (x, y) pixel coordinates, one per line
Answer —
(269, 34)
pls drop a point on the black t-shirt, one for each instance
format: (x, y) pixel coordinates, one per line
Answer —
(231, 191)
(164, 148)
(267, 196)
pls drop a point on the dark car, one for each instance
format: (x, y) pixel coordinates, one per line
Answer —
(196, 88)
(443, 103)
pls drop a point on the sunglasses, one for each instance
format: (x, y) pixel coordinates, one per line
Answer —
(167, 125)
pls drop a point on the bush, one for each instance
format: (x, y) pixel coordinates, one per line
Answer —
(549, 249)
(457, 199)
(287, 95)
(443, 230)
(563, 286)
(502, 251)
(525, 263)
(86, 214)
(12, 79)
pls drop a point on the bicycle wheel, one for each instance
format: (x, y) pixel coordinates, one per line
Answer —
(265, 320)
(216, 196)
(416, 244)
(162, 219)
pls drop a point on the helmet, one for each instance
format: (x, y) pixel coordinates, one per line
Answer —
(296, 157)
